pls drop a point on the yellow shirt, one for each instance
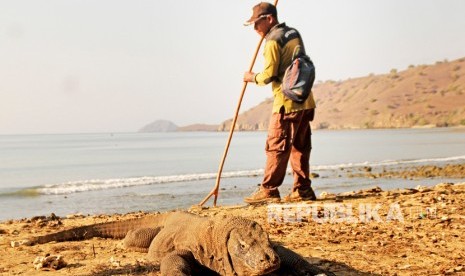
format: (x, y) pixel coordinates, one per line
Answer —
(278, 56)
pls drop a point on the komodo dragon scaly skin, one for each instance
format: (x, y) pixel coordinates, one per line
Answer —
(187, 244)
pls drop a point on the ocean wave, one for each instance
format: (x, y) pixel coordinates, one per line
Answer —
(27, 192)
(388, 163)
(104, 184)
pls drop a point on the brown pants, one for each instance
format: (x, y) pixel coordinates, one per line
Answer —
(289, 138)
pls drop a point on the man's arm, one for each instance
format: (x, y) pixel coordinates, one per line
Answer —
(270, 71)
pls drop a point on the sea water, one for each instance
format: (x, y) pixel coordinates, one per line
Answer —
(123, 172)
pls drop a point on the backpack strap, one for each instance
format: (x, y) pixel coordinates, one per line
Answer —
(297, 52)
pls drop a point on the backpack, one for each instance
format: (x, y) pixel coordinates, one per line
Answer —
(299, 77)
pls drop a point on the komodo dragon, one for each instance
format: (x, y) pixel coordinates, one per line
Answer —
(187, 244)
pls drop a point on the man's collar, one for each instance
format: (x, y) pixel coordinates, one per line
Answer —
(277, 26)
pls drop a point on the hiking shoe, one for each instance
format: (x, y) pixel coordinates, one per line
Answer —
(300, 195)
(261, 196)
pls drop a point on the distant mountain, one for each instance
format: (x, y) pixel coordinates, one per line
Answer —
(199, 127)
(159, 126)
(168, 126)
(421, 96)
(255, 118)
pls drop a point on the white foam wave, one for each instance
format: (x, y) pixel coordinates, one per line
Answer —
(103, 184)
(389, 163)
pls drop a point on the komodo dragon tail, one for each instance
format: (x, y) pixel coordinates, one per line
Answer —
(115, 229)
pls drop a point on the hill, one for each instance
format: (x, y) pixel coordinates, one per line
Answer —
(199, 127)
(421, 96)
(159, 126)
(168, 126)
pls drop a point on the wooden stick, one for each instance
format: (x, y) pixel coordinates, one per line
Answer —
(215, 189)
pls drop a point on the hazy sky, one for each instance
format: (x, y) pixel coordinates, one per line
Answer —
(116, 65)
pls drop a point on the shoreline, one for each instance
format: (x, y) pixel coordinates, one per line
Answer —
(423, 243)
(159, 197)
(316, 128)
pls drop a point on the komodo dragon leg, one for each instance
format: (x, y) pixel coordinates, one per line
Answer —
(183, 263)
(294, 264)
(140, 239)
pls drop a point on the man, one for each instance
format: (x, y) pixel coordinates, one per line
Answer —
(289, 133)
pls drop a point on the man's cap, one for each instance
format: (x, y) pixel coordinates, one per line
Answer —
(260, 10)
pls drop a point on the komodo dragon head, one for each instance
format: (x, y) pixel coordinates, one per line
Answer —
(249, 249)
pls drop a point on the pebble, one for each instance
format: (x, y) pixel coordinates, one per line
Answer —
(114, 262)
(325, 194)
(423, 189)
(15, 244)
(49, 262)
(381, 243)
(19, 243)
(407, 266)
(74, 216)
(314, 175)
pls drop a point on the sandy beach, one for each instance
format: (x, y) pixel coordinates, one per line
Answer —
(369, 232)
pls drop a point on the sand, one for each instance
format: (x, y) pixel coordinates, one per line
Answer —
(370, 232)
